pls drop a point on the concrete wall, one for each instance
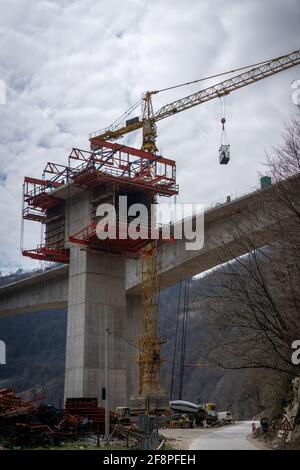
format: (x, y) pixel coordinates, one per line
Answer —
(77, 214)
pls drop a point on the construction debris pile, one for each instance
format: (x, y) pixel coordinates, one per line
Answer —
(31, 424)
(28, 424)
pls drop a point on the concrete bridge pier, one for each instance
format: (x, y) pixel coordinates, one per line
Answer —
(97, 290)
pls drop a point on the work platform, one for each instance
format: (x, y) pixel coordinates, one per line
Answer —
(105, 172)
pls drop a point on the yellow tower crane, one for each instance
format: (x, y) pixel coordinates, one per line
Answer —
(148, 119)
(149, 343)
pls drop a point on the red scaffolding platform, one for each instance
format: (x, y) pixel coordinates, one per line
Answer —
(123, 167)
(37, 197)
(87, 236)
(46, 253)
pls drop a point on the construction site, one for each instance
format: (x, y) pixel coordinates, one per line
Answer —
(111, 282)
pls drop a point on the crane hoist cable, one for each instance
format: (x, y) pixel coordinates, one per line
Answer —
(127, 113)
(183, 343)
(184, 336)
(224, 137)
(199, 80)
(224, 147)
(121, 119)
(210, 77)
(175, 340)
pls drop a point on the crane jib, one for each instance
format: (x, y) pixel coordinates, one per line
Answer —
(229, 85)
(218, 90)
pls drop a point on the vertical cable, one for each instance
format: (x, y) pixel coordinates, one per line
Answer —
(183, 338)
(175, 343)
(158, 300)
(185, 332)
(22, 220)
(182, 345)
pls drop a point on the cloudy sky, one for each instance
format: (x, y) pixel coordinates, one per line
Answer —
(73, 66)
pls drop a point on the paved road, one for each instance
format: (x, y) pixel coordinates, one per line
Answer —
(225, 438)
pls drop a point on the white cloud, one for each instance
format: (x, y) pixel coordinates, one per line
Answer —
(71, 67)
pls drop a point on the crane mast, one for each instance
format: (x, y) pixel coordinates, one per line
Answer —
(149, 341)
(147, 121)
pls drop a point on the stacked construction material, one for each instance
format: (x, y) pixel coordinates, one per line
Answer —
(27, 423)
(12, 405)
(17, 420)
(88, 408)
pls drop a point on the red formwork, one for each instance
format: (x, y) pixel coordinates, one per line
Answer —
(126, 168)
(37, 193)
(87, 236)
(45, 253)
(37, 199)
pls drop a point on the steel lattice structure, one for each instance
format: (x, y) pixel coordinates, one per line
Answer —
(147, 121)
(149, 343)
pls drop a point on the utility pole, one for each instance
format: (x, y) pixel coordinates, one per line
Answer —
(106, 437)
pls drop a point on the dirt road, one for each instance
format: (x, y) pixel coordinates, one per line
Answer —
(232, 437)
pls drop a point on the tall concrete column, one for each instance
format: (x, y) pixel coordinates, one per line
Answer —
(96, 289)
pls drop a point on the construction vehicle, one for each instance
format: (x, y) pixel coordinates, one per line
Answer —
(180, 421)
(225, 417)
(194, 414)
(203, 413)
(182, 406)
(211, 414)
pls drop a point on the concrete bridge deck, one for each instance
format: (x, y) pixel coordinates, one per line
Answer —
(50, 289)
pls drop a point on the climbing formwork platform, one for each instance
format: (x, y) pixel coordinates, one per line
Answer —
(106, 171)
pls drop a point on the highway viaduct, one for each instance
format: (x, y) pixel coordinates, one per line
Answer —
(94, 286)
